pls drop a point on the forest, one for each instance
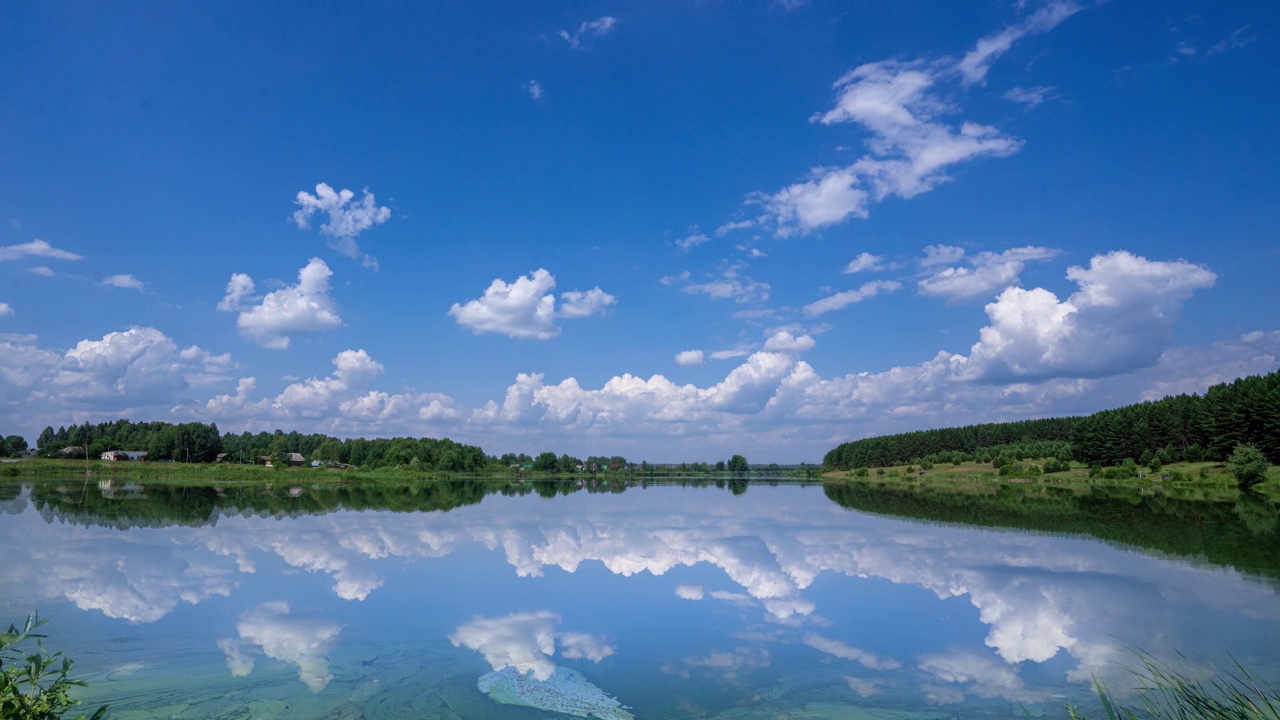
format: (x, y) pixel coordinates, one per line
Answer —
(1177, 428)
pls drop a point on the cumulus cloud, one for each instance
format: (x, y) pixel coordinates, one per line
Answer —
(35, 248)
(346, 221)
(41, 270)
(526, 641)
(135, 368)
(842, 300)
(974, 65)
(1118, 320)
(689, 592)
(784, 341)
(277, 634)
(686, 357)
(729, 283)
(127, 282)
(239, 288)
(5, 310)
(589, 30)
(987, 272)
(344, 402)
(118, 375)
(282, 314)
(865, 262)
(526, 308)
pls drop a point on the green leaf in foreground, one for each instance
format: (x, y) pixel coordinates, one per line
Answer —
(35, 685)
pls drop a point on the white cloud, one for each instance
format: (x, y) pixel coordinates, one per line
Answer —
(280, 636)
(41, 270)
(729, 227)
(989, 272)
(239, 287)
(127, 282)
(848, 652)
(974, 65)
(829, 197)
(987, 676)
(842, 300)
(35, 248)
(534, 88)
(865, 262)
(1119, 320)
(578, 304)
(135, 368)
(525, 308)
(909, 148)
(526, 641)
(321, 397)
(685, 357)
(689, 592)
(592, 29)
(783, 341)
(347, 219)
(729, 354)
(729, 284)
(941, 255)
(693, 240)
(343, 403)
(5, 309)
(290, 311)
(1031, 97)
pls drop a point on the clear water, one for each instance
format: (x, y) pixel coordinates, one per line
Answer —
(678, 601)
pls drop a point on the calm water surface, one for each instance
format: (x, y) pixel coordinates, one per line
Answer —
(679, 602)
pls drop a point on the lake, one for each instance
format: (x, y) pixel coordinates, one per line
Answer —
(747, 600)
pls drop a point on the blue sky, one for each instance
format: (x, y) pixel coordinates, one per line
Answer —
(673, 231)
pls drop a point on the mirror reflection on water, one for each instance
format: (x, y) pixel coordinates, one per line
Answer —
(472, 600)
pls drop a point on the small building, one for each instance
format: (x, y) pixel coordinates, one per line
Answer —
(296, 460)
(220, 457)
(114, 456)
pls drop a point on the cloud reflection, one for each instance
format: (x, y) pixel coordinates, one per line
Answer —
(527, 641)
(277, 634)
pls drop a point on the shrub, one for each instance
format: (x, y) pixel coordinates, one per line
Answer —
(1248, 466)
(34, 685)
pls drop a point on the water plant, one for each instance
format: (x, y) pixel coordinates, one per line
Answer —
(35, 685)
(1169, 693)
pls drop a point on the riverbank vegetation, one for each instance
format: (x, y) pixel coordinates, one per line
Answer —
(1231, 432)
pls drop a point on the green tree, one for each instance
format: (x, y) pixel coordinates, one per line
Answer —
(17, 444)
(737, 464)
(1248, 466)
(545, 461)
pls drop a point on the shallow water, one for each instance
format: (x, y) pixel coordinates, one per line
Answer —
(677, 601)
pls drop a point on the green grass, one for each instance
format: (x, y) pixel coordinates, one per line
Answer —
(1183, 695)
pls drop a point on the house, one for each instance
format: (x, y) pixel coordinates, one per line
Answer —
(135, 455)
(220, 457)
(114, 456)
(296, 460)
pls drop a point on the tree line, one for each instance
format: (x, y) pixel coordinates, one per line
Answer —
(1176, 428)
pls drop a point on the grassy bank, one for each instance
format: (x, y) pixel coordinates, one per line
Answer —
(1210, 476)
